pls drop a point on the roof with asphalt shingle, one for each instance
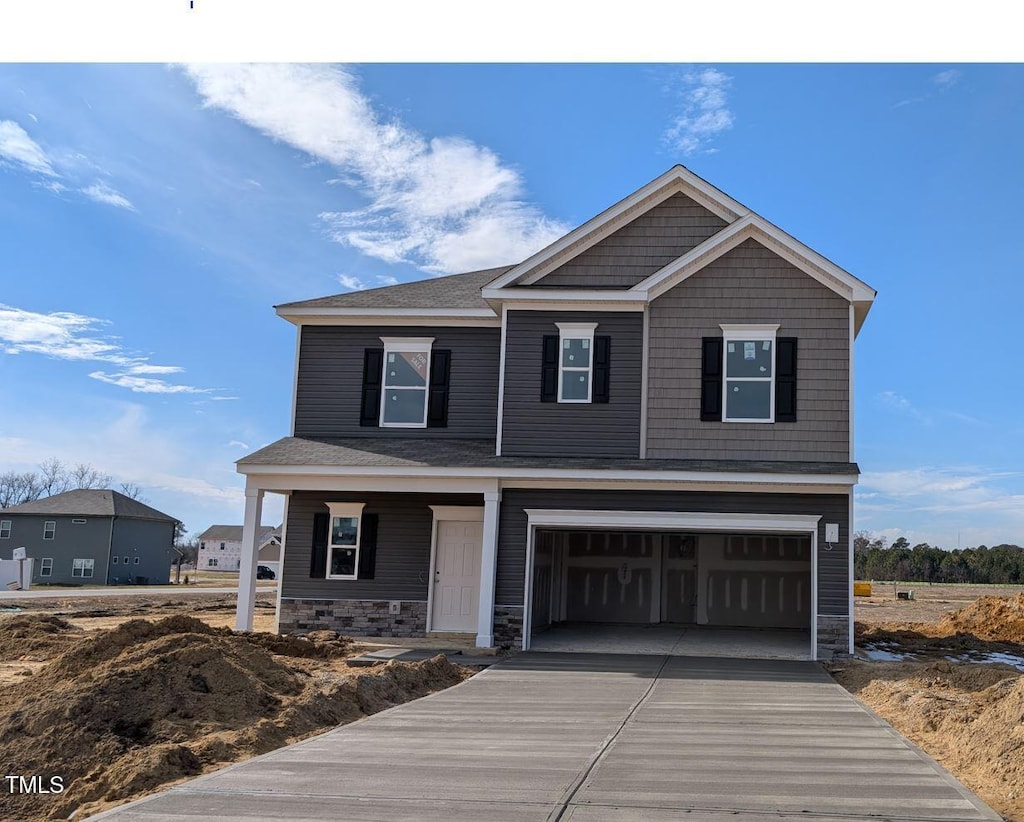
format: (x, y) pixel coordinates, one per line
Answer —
(394, 452)
(88, 502)
(453, 291)
(230, 533)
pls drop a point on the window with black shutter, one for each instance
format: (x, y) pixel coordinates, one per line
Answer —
(437, 400)
(785, 379)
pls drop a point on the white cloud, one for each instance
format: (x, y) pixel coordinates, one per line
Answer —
(704, 112)
(351, 283)
(16, 146)
(934, 504)
(64, 335)
(146, 385)
(384, 279)
(102, 193)
(947, 79)
(436, 203)
(238, 444)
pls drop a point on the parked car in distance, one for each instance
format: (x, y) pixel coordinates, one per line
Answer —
(263, 572)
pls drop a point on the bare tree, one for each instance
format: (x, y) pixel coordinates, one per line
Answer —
(17, 488)
(132, 491)
(85, 476)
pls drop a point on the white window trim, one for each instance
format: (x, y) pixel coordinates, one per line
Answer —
(91, 568)
(576, 331)
(759, 333)
(344, 509)
(52, 531)
(395, 345)
(5, 529)
(46, 567)
(114, 560)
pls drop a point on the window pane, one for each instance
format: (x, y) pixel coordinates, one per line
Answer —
(748, 358)
(575, 385)
(748, 400)
(406, 368)
(343, 562)
(404, 405)
(576, 353)
(343, 530)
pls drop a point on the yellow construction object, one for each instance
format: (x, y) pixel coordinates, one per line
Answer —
(862, 589)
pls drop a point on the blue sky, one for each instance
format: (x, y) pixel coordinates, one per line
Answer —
(151, 216)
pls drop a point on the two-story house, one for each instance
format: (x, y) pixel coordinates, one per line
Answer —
(650, 420)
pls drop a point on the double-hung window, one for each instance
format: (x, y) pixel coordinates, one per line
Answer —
(405, 382)
(46, 566)
(83, 568)
(5, 529)
(576, 361)
(748, 386)
(49, 529)
(343, 540)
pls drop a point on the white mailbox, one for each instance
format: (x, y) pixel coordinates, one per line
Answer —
(18, 553)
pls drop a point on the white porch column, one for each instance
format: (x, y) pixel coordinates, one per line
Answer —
(247, 566)
(488, 570)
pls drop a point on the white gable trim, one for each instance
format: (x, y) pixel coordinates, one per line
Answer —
(676, 180)
(778, 242)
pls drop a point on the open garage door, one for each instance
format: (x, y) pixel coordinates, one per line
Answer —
(760, 581)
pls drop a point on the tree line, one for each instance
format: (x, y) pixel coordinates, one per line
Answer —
(54, 477)
(874, 559)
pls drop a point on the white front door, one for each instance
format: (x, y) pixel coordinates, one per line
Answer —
(457, 576)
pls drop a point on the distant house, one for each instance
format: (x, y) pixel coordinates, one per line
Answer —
(220, 547)
(91, 536)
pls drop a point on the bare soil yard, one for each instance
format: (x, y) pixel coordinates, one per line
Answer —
(947, 676)
(119, 706)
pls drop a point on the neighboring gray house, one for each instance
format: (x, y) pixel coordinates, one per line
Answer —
(91, 537)
(650, 420)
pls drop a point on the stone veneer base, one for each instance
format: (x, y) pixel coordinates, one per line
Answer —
(833, 637)
(353, 617)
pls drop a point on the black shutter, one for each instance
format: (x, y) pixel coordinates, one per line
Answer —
(602, 368)
(549, 369)
(711, 379)
(318, 556)
(367, 546)
(785, 379)
(437, 399)
(373, 367)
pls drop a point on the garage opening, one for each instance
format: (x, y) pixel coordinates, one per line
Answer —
(678, 592)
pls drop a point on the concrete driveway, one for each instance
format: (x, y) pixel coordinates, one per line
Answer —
(594, 737)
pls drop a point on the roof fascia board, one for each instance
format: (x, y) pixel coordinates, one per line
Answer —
(676, 179)
(579, 475)
(392, 316)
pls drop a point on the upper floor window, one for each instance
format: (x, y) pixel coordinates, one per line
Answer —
(576, 361)
(405, 382)
(5, 529)
(343, 540)
(49, 528)
(749, 371)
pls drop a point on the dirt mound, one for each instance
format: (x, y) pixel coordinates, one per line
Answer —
(147, 703)
(1000, 619)
(968, 717)
(34, 635)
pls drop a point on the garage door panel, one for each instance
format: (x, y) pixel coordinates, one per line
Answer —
(758, 599)
(680, 595)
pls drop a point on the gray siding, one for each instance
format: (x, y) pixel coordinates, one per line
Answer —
(402, 570)
(331, 380)
(88, 540)
(533, 428)
(833, 579)
(148, 540)
(640, 248)
(750, 284)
